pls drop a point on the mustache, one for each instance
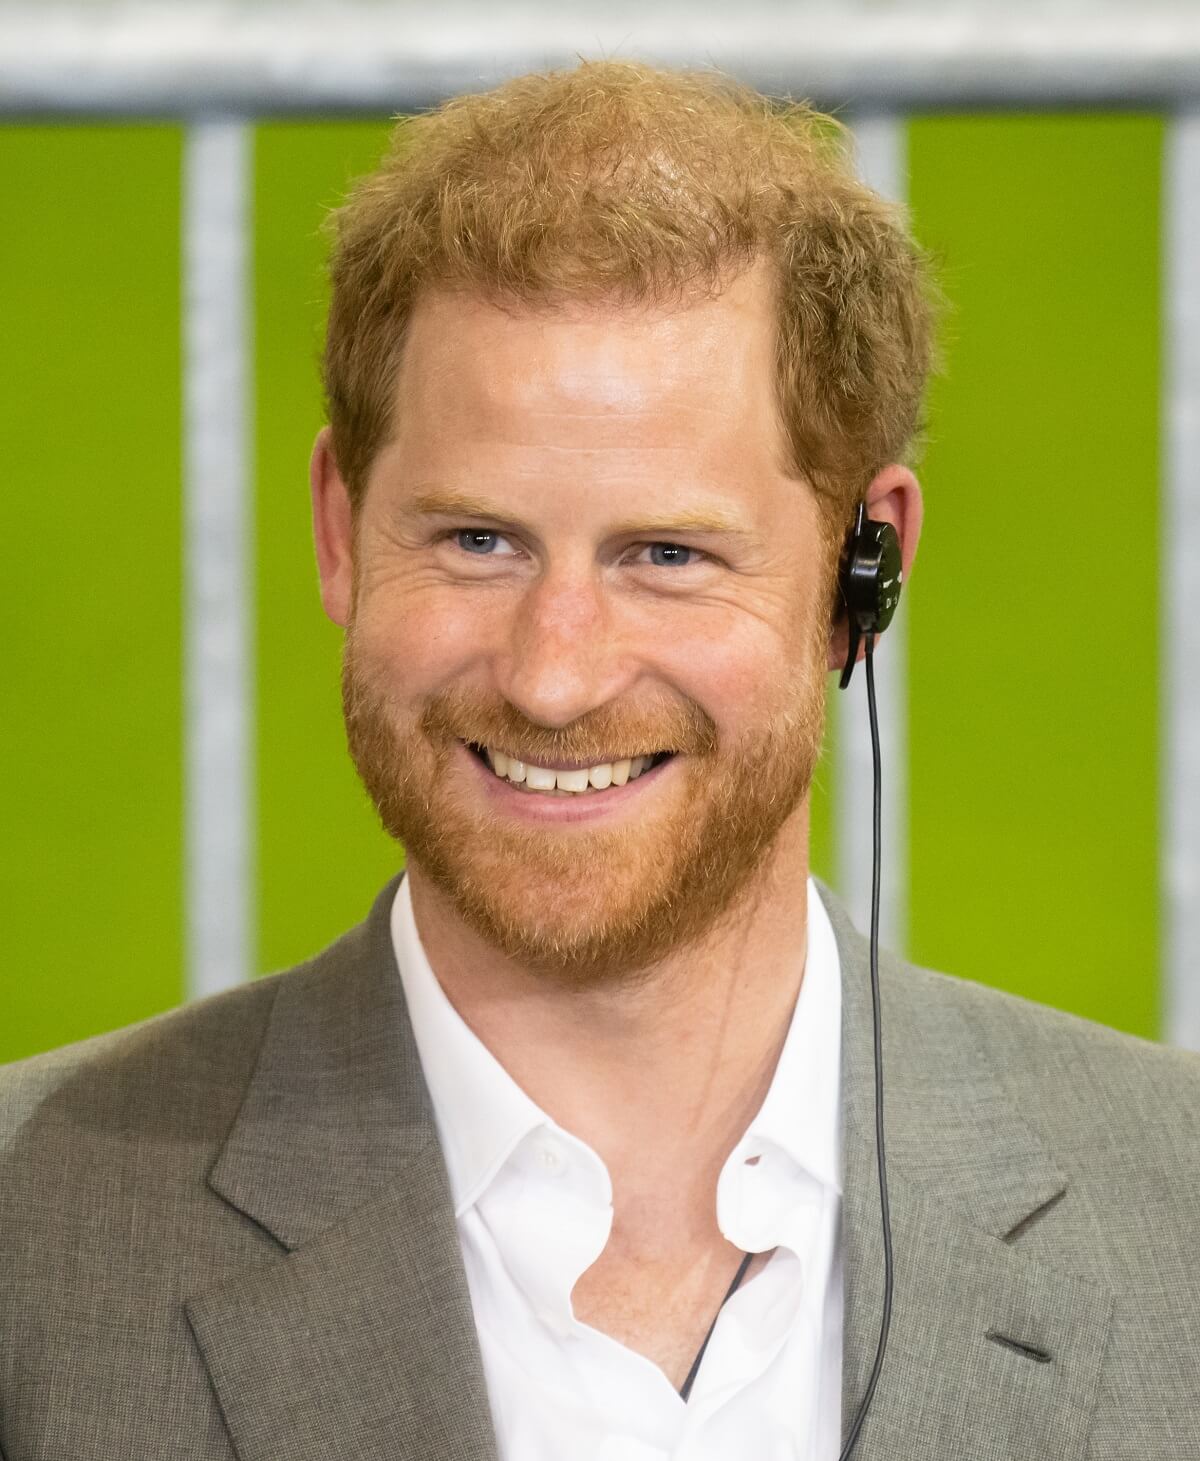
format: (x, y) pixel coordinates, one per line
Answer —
(602, 735)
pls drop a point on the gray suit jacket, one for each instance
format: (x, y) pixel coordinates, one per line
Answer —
(227, 1232)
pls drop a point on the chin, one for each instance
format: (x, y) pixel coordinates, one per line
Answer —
(571, 918)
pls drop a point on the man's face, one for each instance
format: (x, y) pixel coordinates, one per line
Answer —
(580, 547)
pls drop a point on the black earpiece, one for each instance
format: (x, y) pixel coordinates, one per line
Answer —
(869, 582)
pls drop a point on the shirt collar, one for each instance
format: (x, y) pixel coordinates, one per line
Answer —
(482, 1114)
(801, 1112)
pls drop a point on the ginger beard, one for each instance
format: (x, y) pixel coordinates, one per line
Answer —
(585, 904)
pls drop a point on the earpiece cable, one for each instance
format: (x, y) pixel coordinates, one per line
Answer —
(880, 1156)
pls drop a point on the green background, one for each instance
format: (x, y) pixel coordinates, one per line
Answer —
(1034, 660)
(90, 517)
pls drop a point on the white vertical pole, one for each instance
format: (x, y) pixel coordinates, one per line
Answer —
(217, 556)
(1180, 557)
(883, 164)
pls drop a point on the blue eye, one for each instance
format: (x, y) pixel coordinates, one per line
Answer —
(669, 555)
(476, 540)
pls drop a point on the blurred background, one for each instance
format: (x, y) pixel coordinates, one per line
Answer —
(178, 809)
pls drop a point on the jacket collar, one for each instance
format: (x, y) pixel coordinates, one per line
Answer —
(358, 1339)
(337, 1108)
(966, 1175)
(943, 1102)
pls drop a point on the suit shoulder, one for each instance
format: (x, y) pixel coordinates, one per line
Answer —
(997, 1010)
(1072, 1077)
(194, 1049)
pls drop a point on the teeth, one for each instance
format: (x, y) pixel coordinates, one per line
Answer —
(589, 778)
(572, 780)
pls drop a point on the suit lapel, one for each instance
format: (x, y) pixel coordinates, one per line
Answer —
(358, 1339)
(964, 1373)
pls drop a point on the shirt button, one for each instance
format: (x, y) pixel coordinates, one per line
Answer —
(551, 1158)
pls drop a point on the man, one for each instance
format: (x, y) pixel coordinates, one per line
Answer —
(581, 1117)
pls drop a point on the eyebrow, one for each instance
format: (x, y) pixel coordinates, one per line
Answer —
(449, 502)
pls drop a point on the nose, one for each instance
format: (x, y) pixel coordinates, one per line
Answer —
(565, 652)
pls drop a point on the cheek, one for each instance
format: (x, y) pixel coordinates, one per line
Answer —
(735, 669)
(422, 639)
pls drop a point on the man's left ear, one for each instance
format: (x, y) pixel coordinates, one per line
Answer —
(894, 496)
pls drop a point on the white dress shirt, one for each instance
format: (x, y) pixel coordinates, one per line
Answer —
(534, 1211)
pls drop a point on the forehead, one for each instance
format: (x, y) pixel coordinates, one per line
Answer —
(596, 374)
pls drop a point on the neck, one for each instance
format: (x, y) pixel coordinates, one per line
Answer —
(661, 1076)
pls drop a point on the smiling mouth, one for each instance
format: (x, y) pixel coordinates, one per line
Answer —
(577, 781)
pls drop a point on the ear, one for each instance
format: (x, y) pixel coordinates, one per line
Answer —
(894, 496)
(333, 529)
